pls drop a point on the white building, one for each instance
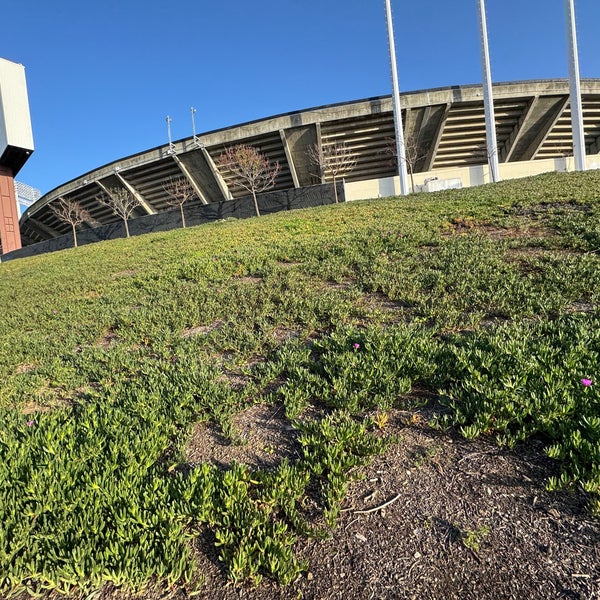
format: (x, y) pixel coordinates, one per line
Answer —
(26, 196)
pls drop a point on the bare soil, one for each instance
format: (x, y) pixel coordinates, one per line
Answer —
(461, 520)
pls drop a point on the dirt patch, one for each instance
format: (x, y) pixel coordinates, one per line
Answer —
(24, 368)
(52, 400)
(202, 329)
(284, 334)
(263, 438)
(108, 339)
(238, 378)
(468, 520)
(248, 279)
(346, 284)
(581, 307)
(381, 301)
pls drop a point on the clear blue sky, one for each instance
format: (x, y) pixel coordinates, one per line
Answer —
(102, 76)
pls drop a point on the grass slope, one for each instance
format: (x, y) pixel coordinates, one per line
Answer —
(484, 299)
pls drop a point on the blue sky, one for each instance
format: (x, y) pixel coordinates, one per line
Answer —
(102, 76)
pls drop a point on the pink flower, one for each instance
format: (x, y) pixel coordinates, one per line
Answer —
(30, 423)
(54, 312)
(586, 382)
(356, 345)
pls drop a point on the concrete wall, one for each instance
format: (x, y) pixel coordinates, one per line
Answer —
(469, 176)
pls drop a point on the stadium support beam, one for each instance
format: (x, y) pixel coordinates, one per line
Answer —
(142, 202)
(575, 88)
(549, 127)
(106, 190)
(224, 189)
(488, 98)
(433, 148)
(400, 149)
(289, 157)
(183, 168)
(516, 134)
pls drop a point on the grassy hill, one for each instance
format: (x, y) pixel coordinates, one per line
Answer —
(133, 373)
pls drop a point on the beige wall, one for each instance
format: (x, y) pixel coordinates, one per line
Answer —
(469, 176)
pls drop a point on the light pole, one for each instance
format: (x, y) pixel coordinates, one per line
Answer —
(488, 98)
(575, 89)
(400, 149)
(171, 149)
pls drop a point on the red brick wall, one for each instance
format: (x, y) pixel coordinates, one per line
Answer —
(10, 236)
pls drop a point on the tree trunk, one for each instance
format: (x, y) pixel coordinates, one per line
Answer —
(182, 216)
(255, 203)
(335, 189)
(74, 235)
(126, 227)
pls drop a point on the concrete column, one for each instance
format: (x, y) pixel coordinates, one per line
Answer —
(10, 236)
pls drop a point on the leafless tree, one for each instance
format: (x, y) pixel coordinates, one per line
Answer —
(413, 153)
(179, 190)
(121, 201)
(252, 169)
(71, 212)
(332, 160)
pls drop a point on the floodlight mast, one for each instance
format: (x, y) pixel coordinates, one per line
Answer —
(575, 89)
(195, 139)
(171, 149)
(400, 148)
(488, 98)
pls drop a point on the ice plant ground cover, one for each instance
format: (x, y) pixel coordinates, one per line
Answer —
(485, 300)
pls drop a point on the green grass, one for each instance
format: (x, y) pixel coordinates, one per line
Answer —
(109, 354)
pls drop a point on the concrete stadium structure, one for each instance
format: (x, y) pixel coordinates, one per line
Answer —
(446, 127)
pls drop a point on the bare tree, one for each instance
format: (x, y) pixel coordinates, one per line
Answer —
(413, 153)
(332, 160)
(71, 212)
(179, 190)
(121, 201)
(253, 170)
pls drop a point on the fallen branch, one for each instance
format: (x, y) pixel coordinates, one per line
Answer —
(370, 510)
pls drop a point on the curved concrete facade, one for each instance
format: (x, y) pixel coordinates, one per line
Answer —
(445, 126)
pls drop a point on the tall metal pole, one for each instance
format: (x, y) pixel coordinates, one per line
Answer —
(575, 89)
(171, 144)
(488, 99)
(400, 149)
(193, 112)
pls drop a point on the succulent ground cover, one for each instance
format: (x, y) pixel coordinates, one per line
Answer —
(222, 394)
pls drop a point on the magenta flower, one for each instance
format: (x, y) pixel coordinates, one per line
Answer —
(54, 312)
(30, 423)
(586, 382)
(356, 345)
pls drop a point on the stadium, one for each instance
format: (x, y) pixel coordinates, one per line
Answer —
(444, 130)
